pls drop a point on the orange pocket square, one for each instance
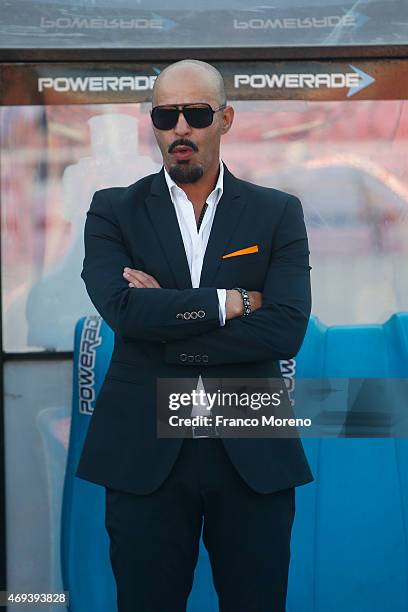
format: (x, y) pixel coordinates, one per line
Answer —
(251, 249)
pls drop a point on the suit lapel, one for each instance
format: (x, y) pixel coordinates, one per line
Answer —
(164, 219)
(227, 215)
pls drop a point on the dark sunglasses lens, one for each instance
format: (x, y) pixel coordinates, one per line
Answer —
(198, 117)
(164, 118)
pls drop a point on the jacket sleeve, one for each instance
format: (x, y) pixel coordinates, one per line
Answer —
(276, 330)
(153, 314)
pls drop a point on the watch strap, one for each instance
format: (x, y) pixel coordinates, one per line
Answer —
(246, 300)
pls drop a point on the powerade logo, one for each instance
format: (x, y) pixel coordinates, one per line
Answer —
(156, 22)
(291, 23)
(98, 23)
(65, 84)
(288, 371)
(355, 81)
(90, 340)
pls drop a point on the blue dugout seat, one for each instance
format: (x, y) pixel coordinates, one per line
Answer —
(350, 540)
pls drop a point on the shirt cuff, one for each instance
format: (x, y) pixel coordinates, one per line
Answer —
(222, 297)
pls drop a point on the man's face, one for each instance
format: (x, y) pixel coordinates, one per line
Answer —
(189, 152)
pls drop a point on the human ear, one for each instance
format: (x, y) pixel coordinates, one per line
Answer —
(227, 119)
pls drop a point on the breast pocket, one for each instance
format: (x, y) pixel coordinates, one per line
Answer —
(248, 271)
(245, 258)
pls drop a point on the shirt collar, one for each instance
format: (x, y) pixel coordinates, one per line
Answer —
(212, 198)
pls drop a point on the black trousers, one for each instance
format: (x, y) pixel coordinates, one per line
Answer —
(154, 538)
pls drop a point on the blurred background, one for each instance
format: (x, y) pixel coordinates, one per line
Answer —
(320, 92)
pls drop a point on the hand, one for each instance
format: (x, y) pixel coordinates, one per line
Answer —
(255, 297)
(139, 279)
(234, 305)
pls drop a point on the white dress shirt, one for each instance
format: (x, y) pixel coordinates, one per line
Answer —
(195, 244)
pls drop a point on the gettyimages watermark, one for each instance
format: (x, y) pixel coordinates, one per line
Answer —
(34, 599)
(278, 408)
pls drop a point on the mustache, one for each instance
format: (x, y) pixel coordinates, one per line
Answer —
(182, 142)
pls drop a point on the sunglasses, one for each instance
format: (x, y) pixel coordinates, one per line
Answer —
(199, 115)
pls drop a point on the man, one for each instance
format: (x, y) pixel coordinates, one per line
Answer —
(163, 260)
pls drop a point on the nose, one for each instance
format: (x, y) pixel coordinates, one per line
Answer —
(182, 127)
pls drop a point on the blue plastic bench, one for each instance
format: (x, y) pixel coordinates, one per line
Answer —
(349, 544)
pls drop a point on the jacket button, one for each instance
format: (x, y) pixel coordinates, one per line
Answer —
(183, 357)
(179, 315)
(187, 315)
(197, 358)
(204, 358)
(190, 358)
(194, 314)
(201, 313)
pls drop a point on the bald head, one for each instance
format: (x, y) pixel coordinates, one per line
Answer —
(186, 72)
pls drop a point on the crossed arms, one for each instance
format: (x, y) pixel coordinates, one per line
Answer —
(274, 331)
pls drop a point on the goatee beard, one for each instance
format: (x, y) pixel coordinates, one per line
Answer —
(186, 173)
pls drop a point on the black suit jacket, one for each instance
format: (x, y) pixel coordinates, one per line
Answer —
(136, 226)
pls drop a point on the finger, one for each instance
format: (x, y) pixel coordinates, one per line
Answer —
(147, 282)
(139, 275)
(133, 276)
(148, 278)
(137, 284)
